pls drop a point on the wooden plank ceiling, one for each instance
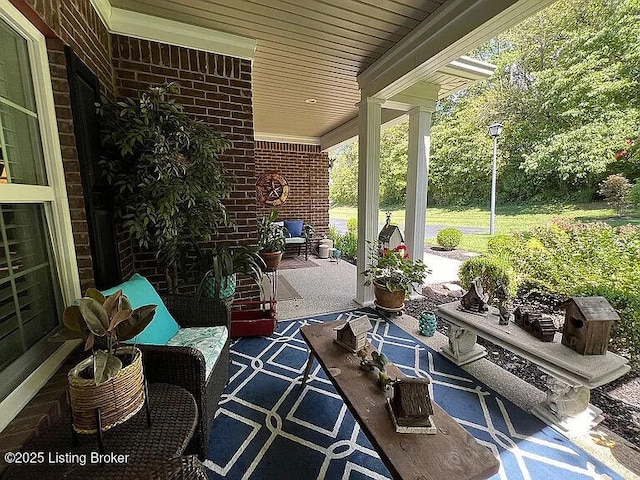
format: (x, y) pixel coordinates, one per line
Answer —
(306, 49)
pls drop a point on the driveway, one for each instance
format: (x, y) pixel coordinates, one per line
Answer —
(429, 230)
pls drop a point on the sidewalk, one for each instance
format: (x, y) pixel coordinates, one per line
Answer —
(443, 270)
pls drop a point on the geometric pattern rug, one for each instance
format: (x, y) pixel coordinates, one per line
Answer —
(268, 427)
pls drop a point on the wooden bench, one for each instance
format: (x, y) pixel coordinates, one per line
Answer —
(570, 375)
(452, 453)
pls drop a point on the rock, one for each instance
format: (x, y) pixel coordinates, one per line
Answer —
(453, 290)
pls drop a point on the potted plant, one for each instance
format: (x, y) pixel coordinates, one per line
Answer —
(168, 182)
(221, 265)
(111, 379)
(393, 275)
(271, 240)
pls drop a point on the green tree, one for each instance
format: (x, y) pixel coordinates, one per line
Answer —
(343, 183)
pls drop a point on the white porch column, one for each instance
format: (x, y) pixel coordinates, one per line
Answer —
(368, 186)
(417, 178)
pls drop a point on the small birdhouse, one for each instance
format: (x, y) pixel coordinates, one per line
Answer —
(390, 236)
(353, 334)
(540, 327)
(411, 406)
(587, 324)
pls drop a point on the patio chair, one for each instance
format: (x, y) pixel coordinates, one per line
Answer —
(194, 354)
(296, 234)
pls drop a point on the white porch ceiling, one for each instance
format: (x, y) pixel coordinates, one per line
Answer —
(311, 49)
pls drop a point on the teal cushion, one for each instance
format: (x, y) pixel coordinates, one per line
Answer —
(140, 292)
(294, 227)
(209, 340)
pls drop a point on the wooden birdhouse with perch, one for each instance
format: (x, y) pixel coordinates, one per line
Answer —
(411, 406)
(390, 236)
(587, 324)
(353, 334)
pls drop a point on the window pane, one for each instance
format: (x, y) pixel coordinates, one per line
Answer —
(29, 297)
(15, 72)
(22, 152)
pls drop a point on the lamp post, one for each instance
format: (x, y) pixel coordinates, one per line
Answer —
(494, 130)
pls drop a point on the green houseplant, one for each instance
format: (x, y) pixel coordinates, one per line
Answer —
(271, 240)
(164, 168)
(111, 380)
(222, 264)
(393, 275)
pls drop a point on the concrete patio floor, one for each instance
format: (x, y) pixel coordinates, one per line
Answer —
(331, 287)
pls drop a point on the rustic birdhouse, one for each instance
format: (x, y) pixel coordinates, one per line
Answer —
(540, 327)
(411, 406)
(390, 236)
(587, 324)
(353, 334)
(475, 300)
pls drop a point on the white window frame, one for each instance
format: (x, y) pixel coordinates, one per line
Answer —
(55, 201)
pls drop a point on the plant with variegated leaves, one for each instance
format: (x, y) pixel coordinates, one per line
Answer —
(104, 321)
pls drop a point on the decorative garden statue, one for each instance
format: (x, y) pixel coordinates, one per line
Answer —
(502, 297)
(475, 300)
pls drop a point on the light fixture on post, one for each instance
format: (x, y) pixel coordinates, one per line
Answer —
(494, 130)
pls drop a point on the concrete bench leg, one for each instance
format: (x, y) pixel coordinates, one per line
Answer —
(567, 406)
(462, 348)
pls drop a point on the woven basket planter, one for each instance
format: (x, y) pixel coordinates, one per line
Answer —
(119, 398)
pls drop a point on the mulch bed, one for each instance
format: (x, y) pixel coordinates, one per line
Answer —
(619, 400)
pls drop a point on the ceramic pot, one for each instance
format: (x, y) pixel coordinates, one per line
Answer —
(386, 298)
(427, 323)
(227, 289)
(271, 259)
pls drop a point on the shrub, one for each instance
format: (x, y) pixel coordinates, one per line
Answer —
(614, 189)
(347, 242)
(500, 244)
(567, 259)
(492, 271)
(634, 195)
(449, 238)
(352, 225)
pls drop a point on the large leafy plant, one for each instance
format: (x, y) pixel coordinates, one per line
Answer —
(164, 167)
(394, 269)
(218, 266)
(271, 236)
(104, 321)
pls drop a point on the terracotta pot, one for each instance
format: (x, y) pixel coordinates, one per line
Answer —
(119, 398)
(386, 298)
(271, 259)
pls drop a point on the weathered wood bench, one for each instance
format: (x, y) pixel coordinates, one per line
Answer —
(570, 375)
(452, 453)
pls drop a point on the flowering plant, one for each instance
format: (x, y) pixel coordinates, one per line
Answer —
(394, 269)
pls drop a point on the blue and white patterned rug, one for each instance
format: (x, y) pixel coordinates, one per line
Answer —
(269, 428)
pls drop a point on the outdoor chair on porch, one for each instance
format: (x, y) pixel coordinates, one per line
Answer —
(187, 345)
(297, 235)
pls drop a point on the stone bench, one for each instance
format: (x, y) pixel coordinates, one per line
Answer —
(570, 375)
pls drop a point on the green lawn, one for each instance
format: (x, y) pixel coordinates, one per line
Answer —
(508, 218)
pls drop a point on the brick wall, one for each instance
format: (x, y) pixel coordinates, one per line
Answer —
(306, 169)
(217, 90)
(77, 24)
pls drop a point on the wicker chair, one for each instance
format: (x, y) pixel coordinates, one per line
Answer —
(185, 366)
